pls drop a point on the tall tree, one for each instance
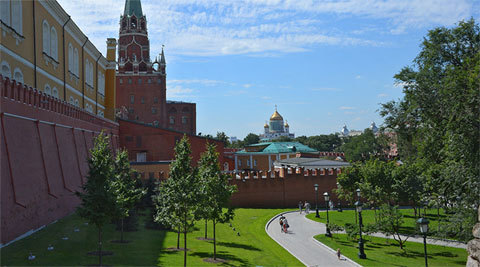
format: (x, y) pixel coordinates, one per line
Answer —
(97, 198)
(362, 147)
(124, 187)
(251, 138)
(438, 120)
(177, 198)
(216, 191)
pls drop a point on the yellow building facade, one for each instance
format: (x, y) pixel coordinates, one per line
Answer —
(41, 47)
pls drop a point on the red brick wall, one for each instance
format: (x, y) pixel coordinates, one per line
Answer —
(159, 143)
(179, 111)
(282, 189)
(43, 156)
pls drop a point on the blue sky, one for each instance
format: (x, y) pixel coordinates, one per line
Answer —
(323, 63)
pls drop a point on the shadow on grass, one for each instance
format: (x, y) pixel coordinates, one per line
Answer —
(236, 245)
(231, 259)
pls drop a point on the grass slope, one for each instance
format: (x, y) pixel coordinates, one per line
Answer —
(148, 247)
(384, 252)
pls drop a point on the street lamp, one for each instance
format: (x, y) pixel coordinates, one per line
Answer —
(316, 200)
(358, 204)
(358, 198)
(327, 198)
(423, 223)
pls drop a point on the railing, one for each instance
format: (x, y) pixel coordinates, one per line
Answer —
(21, 93)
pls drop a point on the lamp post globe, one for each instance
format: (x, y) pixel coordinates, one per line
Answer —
(316, 200)
(361, 252)
(327, 199)
(423, 224)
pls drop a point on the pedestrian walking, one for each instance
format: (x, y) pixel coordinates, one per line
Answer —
(300, 206)
(281, 222)
(307, 207)
(285, 225)
(339, 254)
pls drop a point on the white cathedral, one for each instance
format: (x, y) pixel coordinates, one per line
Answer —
(276, 128)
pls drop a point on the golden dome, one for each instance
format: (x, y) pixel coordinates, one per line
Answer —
(276, 116)
(286, 124)
(265, 126)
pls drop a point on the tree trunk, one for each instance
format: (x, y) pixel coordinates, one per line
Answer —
(121, 233)
(414, 211)
(375, 210)
(214, 242)
(178, 238)
(206, 229)
(185, 248)
(99, 246)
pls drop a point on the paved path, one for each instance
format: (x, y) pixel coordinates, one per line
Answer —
(300, 243)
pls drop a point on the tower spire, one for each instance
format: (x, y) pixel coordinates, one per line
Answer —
(133, 7)
(162, 58)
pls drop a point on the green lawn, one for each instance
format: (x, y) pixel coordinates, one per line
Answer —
(148, 247)
(368, 216)
(381, 252)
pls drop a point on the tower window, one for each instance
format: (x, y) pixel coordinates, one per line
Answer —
(149, 80)
(184, 119)
(159, 81)
(154, 110)
(132, 99)
(155, 99)
(142, 100)
(129, 80)
(172, 120)
(121, 81)
(140, 81)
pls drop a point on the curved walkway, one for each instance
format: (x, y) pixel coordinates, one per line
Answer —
(300, 243)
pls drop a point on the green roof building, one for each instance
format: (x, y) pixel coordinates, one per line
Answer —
(260, 157)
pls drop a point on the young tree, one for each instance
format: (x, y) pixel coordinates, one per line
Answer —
(390, 221)
(98, 200)
(216, 191)
(124, 188)
(177, 198)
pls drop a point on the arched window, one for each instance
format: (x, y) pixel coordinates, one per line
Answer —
(17, 16)
(6, 73)
(47, 90)
(53, 44)
(76, 103)
(18, 75)
(72, 101)
(133, 24)
(46, 37)
(101, 83)
(55, 92)
(75, 61)
(5, 12)
(70, 57)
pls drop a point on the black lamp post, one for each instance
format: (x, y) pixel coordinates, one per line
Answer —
(358, 204)
(316, 200)
(327, 198)
(423, 223)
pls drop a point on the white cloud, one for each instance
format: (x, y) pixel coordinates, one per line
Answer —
(261, 27)
(205, 82)
(177, 91)
(346, 108)
(358, 77)
(382, 95)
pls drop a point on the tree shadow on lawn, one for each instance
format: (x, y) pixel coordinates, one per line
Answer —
(415, 254)
(224, 256)
(237, 245)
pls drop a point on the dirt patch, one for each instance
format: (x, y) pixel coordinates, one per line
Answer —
(104, 253)
(211, 260)
(204, 239)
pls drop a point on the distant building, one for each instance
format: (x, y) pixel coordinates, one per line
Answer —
(276, 128)
(262, 156)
